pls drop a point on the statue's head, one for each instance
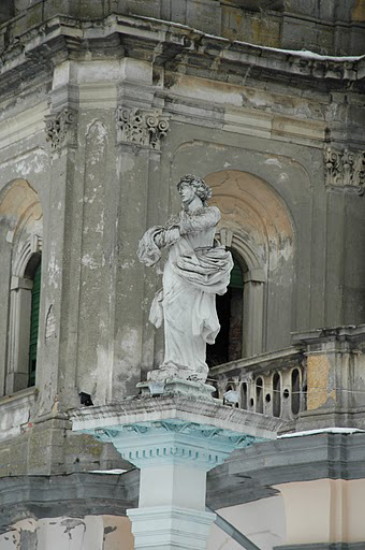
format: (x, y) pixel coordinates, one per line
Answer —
(199, 186)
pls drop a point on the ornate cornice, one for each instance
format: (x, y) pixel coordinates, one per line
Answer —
(35, 51)
(173, 441)
(61, 128)
(168, 406)
(345, 169)
(145, 128)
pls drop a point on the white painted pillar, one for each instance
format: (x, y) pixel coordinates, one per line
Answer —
(174, 457)
(170, 528)
(171, 513)
(174, 439)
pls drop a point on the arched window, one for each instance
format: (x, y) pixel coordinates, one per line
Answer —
(24, 318)
(257, 226)
(21, 245)
(228, 344)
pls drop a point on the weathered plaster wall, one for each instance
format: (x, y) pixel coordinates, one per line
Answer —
(309, 512)
(231, 109)
(324, 511)
(263, 522)
(88, 533)
(99, 192)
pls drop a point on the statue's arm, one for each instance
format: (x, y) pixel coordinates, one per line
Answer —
(208, 218)
(167, 237)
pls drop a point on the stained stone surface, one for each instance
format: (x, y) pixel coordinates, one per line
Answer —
(265, 99)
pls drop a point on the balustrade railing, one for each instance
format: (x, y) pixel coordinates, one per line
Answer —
(273, 384)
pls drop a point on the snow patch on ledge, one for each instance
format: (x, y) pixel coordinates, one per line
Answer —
(322, 430)
(116, 471)
(306, 53)
(301, 53)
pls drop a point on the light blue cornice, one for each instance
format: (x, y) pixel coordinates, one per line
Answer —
(173, 441)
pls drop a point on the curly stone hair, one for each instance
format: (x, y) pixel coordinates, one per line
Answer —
(200, 187)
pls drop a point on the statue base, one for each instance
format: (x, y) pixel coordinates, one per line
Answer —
(177, 386)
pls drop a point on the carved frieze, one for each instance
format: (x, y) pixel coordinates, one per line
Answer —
(61, 128)
(345, 168)
(141, 127)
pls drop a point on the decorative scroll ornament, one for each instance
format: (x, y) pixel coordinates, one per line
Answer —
(60, 128)
(345, 168)
(144, 128)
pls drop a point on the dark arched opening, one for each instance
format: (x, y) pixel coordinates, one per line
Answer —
(33, 272)
(244, 395)
(276, 394)
(259, 395)
(228, 344)
(295, 391)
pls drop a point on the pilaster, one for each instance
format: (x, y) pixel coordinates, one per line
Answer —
(141, 130)
(60, 133)
(334, 372)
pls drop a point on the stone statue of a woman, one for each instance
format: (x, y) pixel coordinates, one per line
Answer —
(195, 271)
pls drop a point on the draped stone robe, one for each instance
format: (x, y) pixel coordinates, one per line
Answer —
(194, 273)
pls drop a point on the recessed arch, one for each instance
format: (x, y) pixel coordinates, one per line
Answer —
(257, 226)
(19, 204)
(22, 231)
(256, 215)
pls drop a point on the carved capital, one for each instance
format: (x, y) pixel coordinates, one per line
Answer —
(345, 168)
(173, 441)
(140, 127)
(61, 128)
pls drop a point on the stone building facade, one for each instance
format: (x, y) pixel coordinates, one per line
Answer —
(103, 106)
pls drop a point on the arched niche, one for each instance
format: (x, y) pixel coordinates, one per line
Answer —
(21, 241)
(257, 227)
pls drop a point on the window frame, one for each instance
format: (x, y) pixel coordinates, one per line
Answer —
(23, 267)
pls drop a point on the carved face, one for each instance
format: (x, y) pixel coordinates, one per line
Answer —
(186, 192)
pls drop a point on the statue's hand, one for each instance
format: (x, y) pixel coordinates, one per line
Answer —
(148, 251)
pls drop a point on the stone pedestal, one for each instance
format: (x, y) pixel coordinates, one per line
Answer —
(175, 440)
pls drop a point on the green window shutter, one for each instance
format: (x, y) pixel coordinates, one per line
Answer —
(236, 277)
(34, 324)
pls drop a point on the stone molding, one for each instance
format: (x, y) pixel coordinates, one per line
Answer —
(168, 527)
(172, 406)
(344, 169)
(33, 50)
(344, 338)
(17, 371)
(145, 128)
(61, 128)
(32, 246)
(173, 441)
(76, 494)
